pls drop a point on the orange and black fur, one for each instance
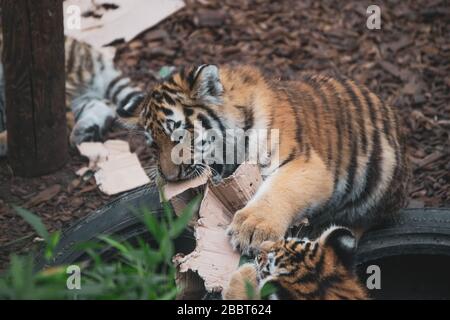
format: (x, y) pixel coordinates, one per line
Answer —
(300, 269)
(96, 91)
(340, 156)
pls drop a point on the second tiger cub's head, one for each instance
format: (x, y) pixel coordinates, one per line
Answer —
(184, 101)
(332, 252)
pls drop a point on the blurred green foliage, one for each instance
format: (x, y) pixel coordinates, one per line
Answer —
(137, 271)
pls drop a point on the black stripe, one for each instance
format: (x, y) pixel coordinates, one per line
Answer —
(301, 120)
(79, 71)
(90, 64)
(190, 78)
(169, 89)
(194, 74)
(157, 96)
(294, 245)
(352, 168)
(359, 111)
(373, 171)
(249, 118)
(205, 121)
(168, 98)
(118, 91)
(387, 123)
(187, 113)
(80, 110)
(314, 251)
(122, 103)
(171, 80)
(278, 258)
(314, 108)
(101, 62)
(318, 266)
(71, 59)
(353, 146)
(182, 74)
(288, 159)
(339, 119)
(318, 91)
(166, 111)
(214, 116)
(298, 125)
(111, 85)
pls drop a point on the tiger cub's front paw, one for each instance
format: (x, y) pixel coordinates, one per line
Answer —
(250, 228)
(243, 284)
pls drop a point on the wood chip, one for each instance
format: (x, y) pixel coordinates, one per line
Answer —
(44, 196)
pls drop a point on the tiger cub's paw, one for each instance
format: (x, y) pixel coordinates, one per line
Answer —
(93, 123)
(250, 228)
(243, 284)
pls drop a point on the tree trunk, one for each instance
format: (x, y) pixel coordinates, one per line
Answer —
(33, 57)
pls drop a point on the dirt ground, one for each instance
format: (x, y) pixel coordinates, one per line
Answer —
(406, 62)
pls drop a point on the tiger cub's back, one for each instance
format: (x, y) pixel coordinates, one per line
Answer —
(359, 139)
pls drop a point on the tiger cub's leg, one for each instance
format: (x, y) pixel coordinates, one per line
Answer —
(3, 144)
(283, 197)
(239, 283)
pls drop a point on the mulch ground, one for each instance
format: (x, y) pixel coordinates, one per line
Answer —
(407, 63)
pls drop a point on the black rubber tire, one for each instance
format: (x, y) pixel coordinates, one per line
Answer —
(115, 218)
(414, 231)
(414, 238)
(412, 253)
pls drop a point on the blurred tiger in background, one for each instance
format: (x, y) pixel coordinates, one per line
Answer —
(301, 269)
(340, 156)
(96, 92)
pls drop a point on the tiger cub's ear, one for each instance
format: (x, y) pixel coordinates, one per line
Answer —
(342, 241)
(205, 84)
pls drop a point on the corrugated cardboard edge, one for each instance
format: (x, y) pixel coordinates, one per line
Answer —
(213, 259)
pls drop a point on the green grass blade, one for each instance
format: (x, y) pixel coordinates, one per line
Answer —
(186, 215)
(35, 222)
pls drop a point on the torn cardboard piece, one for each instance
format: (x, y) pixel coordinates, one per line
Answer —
(116, 168)
(213, 259)
(105, 21)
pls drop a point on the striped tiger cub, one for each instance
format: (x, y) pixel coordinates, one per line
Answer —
(300, 269)
(96, 91)
(339, 156)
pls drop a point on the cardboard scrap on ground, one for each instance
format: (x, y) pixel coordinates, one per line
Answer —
(104, 21)
(214, 259)
(117, 169)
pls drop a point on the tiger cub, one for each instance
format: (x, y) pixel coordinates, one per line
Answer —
(339, 156)
(300, 269)
(96, 91)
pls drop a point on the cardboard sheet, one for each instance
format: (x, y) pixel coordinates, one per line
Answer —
(117, 169)
(213, 259)
(110, 20)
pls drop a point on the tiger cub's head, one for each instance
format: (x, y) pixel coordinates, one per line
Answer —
(194, 98)
(305, 269)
